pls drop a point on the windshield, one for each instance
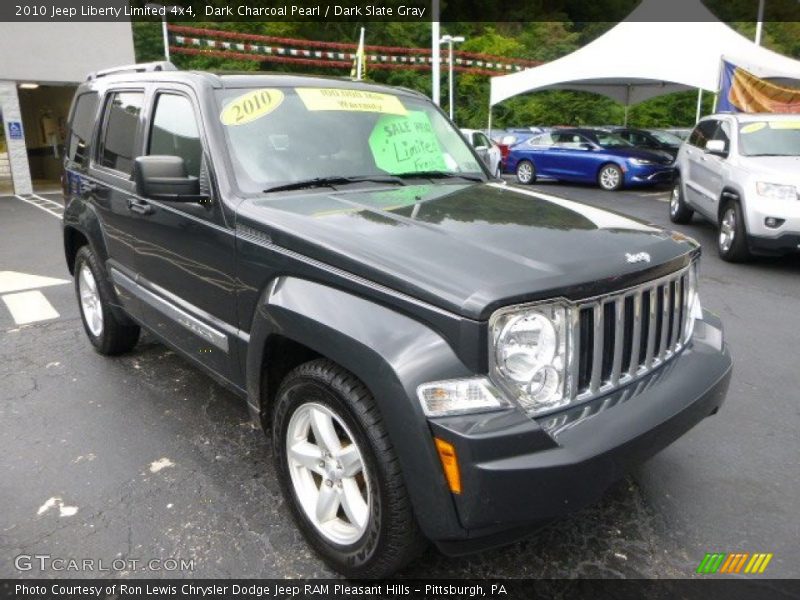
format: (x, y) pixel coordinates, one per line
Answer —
(770, 138)
(611, 140)
(667, 138)
(280, 136)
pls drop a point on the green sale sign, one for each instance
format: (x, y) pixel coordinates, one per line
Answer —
(406, 144)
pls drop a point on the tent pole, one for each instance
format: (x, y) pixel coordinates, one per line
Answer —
(625, 121)
(699, 104)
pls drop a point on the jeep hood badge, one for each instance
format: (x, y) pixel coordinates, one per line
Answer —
(637, 258)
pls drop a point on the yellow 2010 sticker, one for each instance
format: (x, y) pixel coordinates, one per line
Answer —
(753, 127)
(350, 100)
(784, 124)
(251, 106)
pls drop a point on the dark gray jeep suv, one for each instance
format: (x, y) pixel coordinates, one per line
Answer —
(434, 355)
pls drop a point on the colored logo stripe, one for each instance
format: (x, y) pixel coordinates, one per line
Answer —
(721, 562)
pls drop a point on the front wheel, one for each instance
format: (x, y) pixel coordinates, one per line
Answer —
(732, 238)
(610, 178)
(339, 472)
(108, 334)
(526, 172)
(679, 211)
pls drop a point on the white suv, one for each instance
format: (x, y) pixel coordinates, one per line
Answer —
(742, 171)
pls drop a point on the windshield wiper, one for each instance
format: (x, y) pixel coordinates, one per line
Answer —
(440, 175)
(771, 154)
(332, 181)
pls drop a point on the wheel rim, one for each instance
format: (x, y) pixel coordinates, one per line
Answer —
(727, 230)
(609, 178)
(674, 202)
(90, 301)
(328, 473)
(525, 172)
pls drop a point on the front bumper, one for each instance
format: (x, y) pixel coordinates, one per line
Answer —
(518, 472)
(784, 238)
(649, 174)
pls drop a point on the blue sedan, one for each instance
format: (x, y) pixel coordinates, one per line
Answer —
(589, 156)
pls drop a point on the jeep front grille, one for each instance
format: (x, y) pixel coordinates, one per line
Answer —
(624, 335)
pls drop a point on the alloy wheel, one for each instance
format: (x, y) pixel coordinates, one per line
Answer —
(675, 200)
(328, 473)
(90, 301)
(609, 178)
(525, 172)
(727, 230)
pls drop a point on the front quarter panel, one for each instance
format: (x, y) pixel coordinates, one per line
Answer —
(390, 352)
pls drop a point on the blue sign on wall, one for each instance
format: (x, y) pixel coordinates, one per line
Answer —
(14, 130)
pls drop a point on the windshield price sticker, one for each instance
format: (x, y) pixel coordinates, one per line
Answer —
(251, 106)
(350, 100)
(406, 144)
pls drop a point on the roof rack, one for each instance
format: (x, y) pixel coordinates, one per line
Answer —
(138, 68)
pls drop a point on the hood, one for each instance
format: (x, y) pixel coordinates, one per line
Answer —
(774, 169)
(467, 248)
(656, 156)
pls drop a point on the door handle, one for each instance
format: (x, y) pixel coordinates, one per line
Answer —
(139, 206)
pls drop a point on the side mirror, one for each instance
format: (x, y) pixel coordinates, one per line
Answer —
(585, 146)
(716, 147)
(164, 178)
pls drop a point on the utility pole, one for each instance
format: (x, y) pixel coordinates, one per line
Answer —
(450, 40)
(435, 59)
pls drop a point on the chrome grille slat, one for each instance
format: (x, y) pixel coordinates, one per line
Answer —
(636, 341)
(635, 330)
(676, 315)
(597, 347)
(651, 329)
(619, 342)
(662, 345)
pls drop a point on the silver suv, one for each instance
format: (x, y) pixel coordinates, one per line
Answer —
(742, 171)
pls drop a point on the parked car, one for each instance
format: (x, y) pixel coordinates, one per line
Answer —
(488, 150)
(681, 132)
(653, 139)
(436, 355)
(589, 156)
(509, 139)
(742, 172)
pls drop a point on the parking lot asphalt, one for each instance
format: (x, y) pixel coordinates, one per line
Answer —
(142, 457)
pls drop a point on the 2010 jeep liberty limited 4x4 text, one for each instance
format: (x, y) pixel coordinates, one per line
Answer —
(435, 355)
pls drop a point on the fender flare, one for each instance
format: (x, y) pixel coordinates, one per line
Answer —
(389, 352)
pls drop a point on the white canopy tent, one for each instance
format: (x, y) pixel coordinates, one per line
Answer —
(647, 55)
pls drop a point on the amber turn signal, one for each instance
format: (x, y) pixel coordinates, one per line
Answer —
(447, 454)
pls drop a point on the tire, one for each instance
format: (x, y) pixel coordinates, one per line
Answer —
(108, 335)
(610, 178)
(732, 237)
(526, 172)
(679, 211)
(371, 537)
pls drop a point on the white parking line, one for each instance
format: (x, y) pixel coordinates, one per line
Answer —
(13, 281)
(29, 307)
(49, 206)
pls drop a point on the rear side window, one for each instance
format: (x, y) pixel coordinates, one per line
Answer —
(175, 131)
(121, 120)
(703, 133)
(81, 126)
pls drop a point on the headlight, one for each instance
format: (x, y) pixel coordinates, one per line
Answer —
(641, 161)
(530, 347)
(459, 396)
(776, 191)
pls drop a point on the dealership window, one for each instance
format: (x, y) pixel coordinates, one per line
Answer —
(175, 132)
(118, 147)
(81, 126)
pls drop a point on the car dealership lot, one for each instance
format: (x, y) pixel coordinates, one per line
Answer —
(142, 457)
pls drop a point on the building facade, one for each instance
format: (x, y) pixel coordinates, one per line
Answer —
(42, 64)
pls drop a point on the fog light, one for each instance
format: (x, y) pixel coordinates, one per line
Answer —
(773, 223)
